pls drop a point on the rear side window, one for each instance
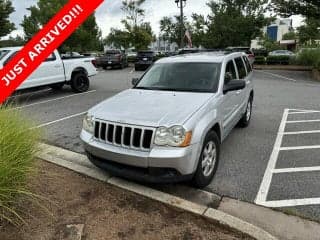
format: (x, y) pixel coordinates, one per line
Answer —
(9, 58)
(241, 68)
(52, 57)
(230, 72)
(248, 65)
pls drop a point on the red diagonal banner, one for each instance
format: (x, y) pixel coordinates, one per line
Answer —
(60, 27)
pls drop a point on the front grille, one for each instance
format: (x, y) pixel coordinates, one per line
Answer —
(128, 136)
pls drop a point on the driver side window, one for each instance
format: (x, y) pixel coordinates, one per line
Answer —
(230, 72)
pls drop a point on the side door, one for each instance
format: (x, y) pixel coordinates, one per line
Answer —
(229, 103)
(241, 94)
(50, 71)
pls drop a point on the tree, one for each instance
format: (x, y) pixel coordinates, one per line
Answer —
(310, 31)
(287, 8)
(170, 28)
(199, 28)
(269, 44)
(6, 9)
(12, 42)
(290, 36)
(137, 33)
(86, 38)
(235, 22)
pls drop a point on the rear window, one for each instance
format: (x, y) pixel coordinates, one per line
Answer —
(113, 52)
(241, 68)
(146, 53)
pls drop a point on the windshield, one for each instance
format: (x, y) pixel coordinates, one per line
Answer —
(113, 52)
(3, 53)
(190, 77)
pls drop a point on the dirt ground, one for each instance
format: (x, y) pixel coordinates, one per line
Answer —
(105, 211)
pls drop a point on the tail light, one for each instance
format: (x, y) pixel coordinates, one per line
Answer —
(94, 63)
(251, 55)
(119, 57)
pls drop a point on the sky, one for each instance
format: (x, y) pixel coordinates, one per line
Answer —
(109, 14)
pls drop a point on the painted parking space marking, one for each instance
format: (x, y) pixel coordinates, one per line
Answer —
(60, 120)
(261, 198)
(54, 99)
(278, 76)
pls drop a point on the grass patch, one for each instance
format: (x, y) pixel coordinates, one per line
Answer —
(309, 57)
(18, 146)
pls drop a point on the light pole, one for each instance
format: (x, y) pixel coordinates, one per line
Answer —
(181, 4)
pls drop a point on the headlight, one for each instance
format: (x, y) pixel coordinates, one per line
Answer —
(88, 123)
(175, 136)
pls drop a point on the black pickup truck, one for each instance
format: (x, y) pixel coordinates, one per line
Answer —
(113, 58)
(144, 60)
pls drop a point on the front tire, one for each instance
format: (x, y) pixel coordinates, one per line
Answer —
(80, 82)
(208, 162)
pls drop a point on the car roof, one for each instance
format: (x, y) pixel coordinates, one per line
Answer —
(11, 48)
(211, 57)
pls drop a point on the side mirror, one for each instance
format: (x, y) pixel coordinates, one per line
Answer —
(135, 81)
(234, 85)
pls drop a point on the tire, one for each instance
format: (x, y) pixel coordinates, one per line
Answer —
(245, 120)
(206, 170)
(105, 68)
(80, 82)
(57, 86)
(136, 68)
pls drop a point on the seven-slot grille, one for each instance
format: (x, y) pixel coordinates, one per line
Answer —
(124, 135)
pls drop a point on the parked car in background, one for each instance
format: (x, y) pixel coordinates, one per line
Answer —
(132, 56)
(250, 54)
(113, 58)
(282, 53)
(188, 50)
(144, 60)
(55, 72)
(170, 126)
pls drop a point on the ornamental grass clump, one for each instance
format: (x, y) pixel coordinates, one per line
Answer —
(18, 146)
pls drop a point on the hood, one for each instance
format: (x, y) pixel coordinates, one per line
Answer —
(150, 108)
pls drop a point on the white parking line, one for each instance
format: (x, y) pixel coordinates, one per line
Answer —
(266, 181)
(55, 99)
(59, 120)
(300, 132)
(261, 197)
(299, 169)
(304, 121)
(278, 75)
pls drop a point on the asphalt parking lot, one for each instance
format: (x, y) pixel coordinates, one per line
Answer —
(275, 162)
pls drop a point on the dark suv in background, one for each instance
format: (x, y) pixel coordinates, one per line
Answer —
(113, 58)
(144, 60)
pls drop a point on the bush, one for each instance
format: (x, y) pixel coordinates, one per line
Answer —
(261, 60)
(18, 145)
(309, 57)
(271, 60)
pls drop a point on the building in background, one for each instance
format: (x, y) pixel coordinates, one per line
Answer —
(275, 32)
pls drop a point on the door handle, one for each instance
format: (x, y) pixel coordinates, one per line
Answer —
(57, 66)
(238, 92)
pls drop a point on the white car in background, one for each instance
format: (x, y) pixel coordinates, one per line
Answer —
(55, 72)
(282, 53)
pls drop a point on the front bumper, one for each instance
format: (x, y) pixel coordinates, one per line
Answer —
(160, 164)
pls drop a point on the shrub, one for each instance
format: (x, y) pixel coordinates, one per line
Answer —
(278, 60)
(309, 57)
(261, 60)
(18, 145)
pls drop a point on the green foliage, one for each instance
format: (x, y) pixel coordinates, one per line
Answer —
(18, 145)
(86, 38)
(269, 44)
(6, 9)
(260, 60)
(290, 36)
(287, 8)
(309, 32)
(309, 57)
(170, 29)
(235, 22)
(272, 60)
(136, 33)
(12, 42)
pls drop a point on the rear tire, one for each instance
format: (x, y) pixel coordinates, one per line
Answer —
(80, 82)
(57, 86)
(208, 161)
(245, 120)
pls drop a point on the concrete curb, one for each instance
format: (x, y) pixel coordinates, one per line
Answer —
(283, 67)
(78, 163)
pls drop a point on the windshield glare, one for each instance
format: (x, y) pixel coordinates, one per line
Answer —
(193, 77)
(3, 53)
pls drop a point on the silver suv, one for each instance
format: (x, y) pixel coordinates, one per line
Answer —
(170, 125)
